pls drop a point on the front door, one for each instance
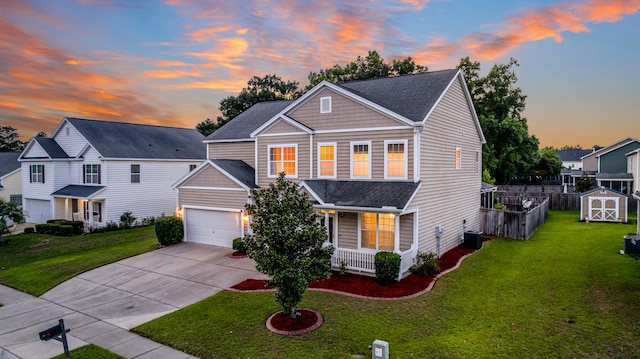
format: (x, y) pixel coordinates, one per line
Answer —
(330, 226)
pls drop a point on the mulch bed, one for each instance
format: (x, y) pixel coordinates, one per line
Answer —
(368, 286)
(237, 254)
(307, 321)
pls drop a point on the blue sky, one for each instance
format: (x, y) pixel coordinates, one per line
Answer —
(171, 62)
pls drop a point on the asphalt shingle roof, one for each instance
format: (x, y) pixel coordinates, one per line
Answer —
(8, 162)
(368, 194)
(240, 170)
(248, 121)
(51, 147)
(614, 176)
(572, 155)
(80, 191)
(411, 96)
(128, 140)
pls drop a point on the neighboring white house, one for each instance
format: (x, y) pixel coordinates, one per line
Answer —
(10, 177)
(633, 167)
(95, 171)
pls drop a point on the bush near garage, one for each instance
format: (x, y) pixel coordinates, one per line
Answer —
(169, 230)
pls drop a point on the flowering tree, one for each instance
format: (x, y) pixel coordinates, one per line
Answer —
(287, 241)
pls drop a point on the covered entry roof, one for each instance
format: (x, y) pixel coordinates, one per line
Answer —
(363, 194)
(77, 191)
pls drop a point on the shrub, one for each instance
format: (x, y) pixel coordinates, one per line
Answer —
(148, 221)
(66, 230)
(29, 230)
(78, 226)
(426, 264)
(54, 228)
(387, 265)
(169, 230)
(127, 219)
(42, 228)
(238, 245)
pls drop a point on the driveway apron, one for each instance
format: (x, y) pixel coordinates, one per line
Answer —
(101, 305)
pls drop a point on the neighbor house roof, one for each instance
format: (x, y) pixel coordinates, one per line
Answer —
(572, 155)
(248, 121)
(612, 147)
(9, 163)
(363, 194)
(614, 176)
(239, 170)
(487, 187)
(77, 191)
(128, 140)
(411, 96)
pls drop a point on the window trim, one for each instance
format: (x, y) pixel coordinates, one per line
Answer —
(98, 173)
(386, 158)
(136, 173)
(335, 159)
(351, 162)
(458, 158)
(36, 176)
(325, 100)
(477, 162)
(283, 146)
(377, 231)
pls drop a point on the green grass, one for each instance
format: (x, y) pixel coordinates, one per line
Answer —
(90, 352)
(565, 293)
(35, 263)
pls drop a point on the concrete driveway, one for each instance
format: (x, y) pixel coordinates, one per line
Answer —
(100, 306)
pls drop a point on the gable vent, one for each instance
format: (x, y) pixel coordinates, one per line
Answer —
(325, 104)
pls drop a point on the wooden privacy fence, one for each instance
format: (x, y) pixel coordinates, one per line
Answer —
(513, 224)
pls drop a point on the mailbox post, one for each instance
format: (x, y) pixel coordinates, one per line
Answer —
(58, 333)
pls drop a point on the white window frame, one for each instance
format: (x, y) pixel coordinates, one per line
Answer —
(477, 161)
(335, 159)
(405, 143)
(377, 231)
(325, 104)
(89, 177)
(138, 174)
(458, 158)
(269, 147)
(351, 162)
(36, 173)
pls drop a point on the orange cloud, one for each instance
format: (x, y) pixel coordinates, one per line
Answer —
(203, 35)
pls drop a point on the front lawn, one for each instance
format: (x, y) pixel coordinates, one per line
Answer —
(35, 263)
(90, 352)
(566, 292)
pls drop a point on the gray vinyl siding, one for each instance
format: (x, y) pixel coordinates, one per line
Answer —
(211, 177)
(377, 138)
(590, 163)
(449, 197)
(302, 156)
(244, 151)
(348, 230)
(212, 198)
(345, 114)
(406, 232)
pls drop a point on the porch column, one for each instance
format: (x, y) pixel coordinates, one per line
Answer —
(90, 214)
(66, 208)
(396, 234)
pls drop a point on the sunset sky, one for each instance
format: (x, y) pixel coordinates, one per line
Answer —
(170, 62)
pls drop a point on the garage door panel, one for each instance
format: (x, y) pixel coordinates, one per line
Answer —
(37, 210)
(212, 227)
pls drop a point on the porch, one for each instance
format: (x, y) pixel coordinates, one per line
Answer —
(79, 203)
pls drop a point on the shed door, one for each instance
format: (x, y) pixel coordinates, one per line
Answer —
(603, 209)
(212, 227)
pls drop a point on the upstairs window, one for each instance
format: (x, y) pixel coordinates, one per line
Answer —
(458, 158)
(135, 173)
(360, 160)
(91, 174)
(395, 153)
(377, 231)
(477, 161)
(36, 173)
(325, 104)
(283, 159)
(327, 160)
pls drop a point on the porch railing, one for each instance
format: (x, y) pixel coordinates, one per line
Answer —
(362, 261)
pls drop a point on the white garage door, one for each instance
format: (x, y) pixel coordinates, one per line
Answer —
(212, 227)
(37, 210)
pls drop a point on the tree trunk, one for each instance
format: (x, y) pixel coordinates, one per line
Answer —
(292, 312)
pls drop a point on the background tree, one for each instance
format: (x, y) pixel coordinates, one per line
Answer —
(287, 241)
(510, 152)
(42, 134)
(584, 183)
(567, 147)
(549, 164)
(8, 210)
(259, 89)
(368, 67)
(9, 140)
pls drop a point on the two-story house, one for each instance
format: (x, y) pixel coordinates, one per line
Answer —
(95, 171)
(10, 178)
(610, 165)
(392, 164)
(633, 167)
